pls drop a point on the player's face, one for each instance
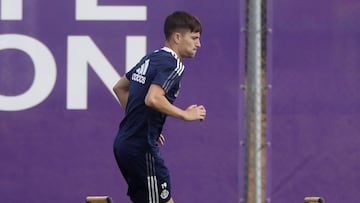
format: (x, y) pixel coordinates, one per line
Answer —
(189, 43)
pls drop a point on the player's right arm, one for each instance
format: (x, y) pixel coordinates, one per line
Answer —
(121, 90)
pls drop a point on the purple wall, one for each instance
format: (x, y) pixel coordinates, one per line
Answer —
(50, 153)
(315, 100)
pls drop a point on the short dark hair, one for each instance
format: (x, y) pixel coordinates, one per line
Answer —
(180, 20)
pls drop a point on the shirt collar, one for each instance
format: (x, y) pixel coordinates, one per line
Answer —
(167, 49)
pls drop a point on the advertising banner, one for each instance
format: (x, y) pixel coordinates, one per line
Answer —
(58, 115)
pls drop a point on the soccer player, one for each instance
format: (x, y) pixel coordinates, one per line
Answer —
(147, 93)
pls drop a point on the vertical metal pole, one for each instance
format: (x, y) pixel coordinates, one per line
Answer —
(254, 36)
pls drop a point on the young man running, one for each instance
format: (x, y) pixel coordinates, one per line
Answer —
(147, 93)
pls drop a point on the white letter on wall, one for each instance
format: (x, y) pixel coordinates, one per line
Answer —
(90, 10)
(81, 52)
(135, 50)
(45, 72)
(11, 9)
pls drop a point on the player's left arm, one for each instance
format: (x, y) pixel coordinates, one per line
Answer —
(157, 100)
(121, 90)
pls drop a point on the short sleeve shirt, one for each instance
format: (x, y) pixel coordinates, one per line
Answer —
(142, 125)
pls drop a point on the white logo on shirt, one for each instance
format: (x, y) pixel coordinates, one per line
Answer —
(139, 76)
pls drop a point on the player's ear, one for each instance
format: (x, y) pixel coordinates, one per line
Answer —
(177, 37)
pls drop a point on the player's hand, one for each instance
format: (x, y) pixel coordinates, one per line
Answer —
(195, 112)
(161, 139)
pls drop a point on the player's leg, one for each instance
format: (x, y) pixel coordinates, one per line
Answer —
(147, 176)
(133, 169)
(162, 176)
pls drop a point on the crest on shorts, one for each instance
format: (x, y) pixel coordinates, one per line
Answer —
(164, 194)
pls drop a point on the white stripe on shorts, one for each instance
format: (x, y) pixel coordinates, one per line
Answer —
(151, 178)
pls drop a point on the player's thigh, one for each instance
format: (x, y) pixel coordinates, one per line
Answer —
(148, 178)
(158, 171)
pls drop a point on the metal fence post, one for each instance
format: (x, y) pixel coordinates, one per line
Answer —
(254, 91)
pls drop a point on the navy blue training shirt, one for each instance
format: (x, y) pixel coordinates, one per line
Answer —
(142, 125)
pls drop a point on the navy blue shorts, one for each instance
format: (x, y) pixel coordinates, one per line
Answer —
(147, 176)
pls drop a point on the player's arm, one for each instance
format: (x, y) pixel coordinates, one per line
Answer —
(121, 90)
(156, 99)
